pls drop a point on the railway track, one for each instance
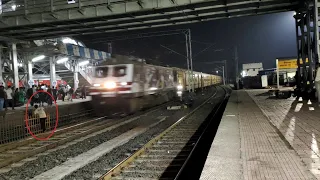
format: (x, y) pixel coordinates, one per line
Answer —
(165, 155)
(32, 159)
(24, 149)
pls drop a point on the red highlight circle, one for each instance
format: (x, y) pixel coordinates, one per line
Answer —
(27, 118)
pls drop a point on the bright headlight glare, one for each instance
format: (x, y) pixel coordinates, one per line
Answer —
(110, 85)
(123, 83)
(179, 87)
(96, 85)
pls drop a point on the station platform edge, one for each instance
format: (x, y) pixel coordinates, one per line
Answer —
(257, 139)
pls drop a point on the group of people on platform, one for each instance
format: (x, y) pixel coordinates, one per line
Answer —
(14, 97)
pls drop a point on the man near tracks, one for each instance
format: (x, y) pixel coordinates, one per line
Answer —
(40, 112)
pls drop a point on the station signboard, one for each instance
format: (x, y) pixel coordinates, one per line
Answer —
(288, 63)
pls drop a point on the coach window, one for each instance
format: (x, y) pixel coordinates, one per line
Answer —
(101, 72)
(119, 71)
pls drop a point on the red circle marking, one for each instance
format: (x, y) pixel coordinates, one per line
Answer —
(27, 118)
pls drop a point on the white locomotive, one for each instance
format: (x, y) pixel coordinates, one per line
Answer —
(125, 84)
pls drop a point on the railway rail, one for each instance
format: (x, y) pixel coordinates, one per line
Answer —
(164, 156)
(31, 159)
(17, 151)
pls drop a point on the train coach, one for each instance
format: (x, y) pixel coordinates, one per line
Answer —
(126, 85)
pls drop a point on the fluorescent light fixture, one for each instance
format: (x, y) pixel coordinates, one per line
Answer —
(96, 85)
(38, 58)
(123, 83)
(62, 60)
(69, 41)
(83, 63)
(153, 88)
(14, 7)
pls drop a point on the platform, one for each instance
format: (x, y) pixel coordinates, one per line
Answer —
(248, 146)
(58, 102)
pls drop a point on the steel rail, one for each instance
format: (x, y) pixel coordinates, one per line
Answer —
(118, 168)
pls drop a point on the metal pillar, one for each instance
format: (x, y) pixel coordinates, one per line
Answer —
(15, 65)
(1, 65)
(188, 66)
(53, 80)
(224, 80)
(190, 58)
(307, 49)
(237, 66)
(30, 74)
(75, 76)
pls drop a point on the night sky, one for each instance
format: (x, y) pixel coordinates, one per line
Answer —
(258, 39)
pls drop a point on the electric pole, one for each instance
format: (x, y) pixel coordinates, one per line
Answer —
(237, 66)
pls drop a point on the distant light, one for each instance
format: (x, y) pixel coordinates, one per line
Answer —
(20, 64)
(69, 41)
(14, 7)
(244, 73)
(71, 1)
(38, 58)
(217, 72)
(62, 60)
(153, 88)
(83, 63)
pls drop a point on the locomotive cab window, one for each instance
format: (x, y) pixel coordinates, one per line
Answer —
(101, 72)
(119, 71)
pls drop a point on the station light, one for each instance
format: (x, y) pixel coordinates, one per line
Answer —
(38, 58)
(14, 7)
(69, 41)
(62, 60)
(83, 63)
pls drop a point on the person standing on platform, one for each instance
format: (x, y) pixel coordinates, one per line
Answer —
(54, 93)
(40, 112)
(16, 97)
(62, 91)
(71, 91)
(10, 96)
(29, 94)
(83, 92)
(2, 97)
(49, 99)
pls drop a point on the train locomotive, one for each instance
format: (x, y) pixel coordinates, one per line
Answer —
(124, 85)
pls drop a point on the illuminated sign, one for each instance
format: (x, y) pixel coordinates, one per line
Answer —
(289, 63)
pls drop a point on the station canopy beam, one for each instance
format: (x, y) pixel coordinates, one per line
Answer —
(40, 19)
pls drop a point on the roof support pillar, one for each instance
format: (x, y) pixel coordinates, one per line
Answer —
(30, 74)
(1, 65)
(75, 76)
(15, 65)
(53, 81)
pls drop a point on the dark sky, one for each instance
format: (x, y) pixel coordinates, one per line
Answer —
(258, 39)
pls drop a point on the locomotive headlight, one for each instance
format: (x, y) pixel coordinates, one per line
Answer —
(110, 85)
(96, 85)
(179, 87)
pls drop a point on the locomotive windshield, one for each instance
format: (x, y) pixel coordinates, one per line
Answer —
(101, 72)
(119, 71)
